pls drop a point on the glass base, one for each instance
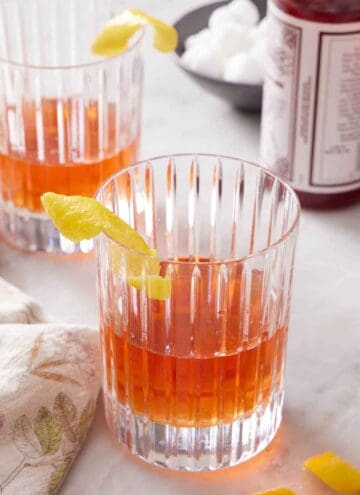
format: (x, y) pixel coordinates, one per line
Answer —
(329, 201)
(35, 232)
(192, 448)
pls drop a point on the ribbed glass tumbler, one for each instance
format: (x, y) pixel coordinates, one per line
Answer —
(194, 380)
(68, 119)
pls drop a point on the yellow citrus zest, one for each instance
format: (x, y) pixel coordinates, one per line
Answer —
(79, 218)
(335, 472)
(114, 37)
(156, 287)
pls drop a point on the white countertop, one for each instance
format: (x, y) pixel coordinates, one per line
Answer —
(322, 406)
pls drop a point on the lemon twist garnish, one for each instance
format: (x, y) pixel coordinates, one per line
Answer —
(335, 472)
(114, 37)
(79, 218)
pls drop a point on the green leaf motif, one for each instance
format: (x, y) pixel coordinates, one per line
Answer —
(25, 439)
(65, 414)
(58, 476)
(47, 431)
(86, 418)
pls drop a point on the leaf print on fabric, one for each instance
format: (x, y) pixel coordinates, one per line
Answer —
(58, 475)
(25, 438)
(86, 418)
(35, 350)
(56, 377)
(65, 414)
(42, 369)
(51, 363)
(47, 431)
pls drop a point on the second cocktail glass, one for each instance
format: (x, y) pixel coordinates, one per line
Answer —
(68, 119)
(195, 381)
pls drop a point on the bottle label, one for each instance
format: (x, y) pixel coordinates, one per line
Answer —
(310, 129)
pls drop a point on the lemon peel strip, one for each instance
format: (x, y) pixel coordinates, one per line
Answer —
(114, 37)
(335, 472)
(79, 218)
(156, 287)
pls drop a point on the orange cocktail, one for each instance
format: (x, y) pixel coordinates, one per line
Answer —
(201, 382)
(62, 169)
(193, 377)
(68, 118)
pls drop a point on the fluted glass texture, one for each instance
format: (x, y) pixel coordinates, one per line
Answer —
(68, 119)
(195, 381)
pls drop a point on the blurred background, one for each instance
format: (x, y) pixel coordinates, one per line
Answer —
(208, 124)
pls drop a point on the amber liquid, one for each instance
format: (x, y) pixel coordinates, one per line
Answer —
(201, 370)
(59, 160)
(333, 11)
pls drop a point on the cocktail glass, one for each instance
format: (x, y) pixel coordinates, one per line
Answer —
(68, 119)
(196, 381)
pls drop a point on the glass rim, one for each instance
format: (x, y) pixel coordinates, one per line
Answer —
(261, 252)
(138, 37)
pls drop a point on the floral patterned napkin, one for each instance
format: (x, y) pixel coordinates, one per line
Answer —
(49, 382)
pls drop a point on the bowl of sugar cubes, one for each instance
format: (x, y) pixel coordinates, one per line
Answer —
(222, 48)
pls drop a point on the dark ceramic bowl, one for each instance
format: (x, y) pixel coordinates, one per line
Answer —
(243, 96)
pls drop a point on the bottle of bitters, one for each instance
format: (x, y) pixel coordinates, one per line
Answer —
(310, 131)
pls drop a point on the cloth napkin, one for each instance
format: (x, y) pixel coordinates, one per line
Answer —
(49, 383)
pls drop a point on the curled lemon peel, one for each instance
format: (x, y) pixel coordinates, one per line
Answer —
(114, 37)
(79, 218)
(277, 491)
(156, 287)
(335, 472)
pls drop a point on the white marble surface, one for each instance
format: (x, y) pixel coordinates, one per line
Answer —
(322, 409)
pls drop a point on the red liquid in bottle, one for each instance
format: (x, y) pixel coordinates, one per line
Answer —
(311, 109)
